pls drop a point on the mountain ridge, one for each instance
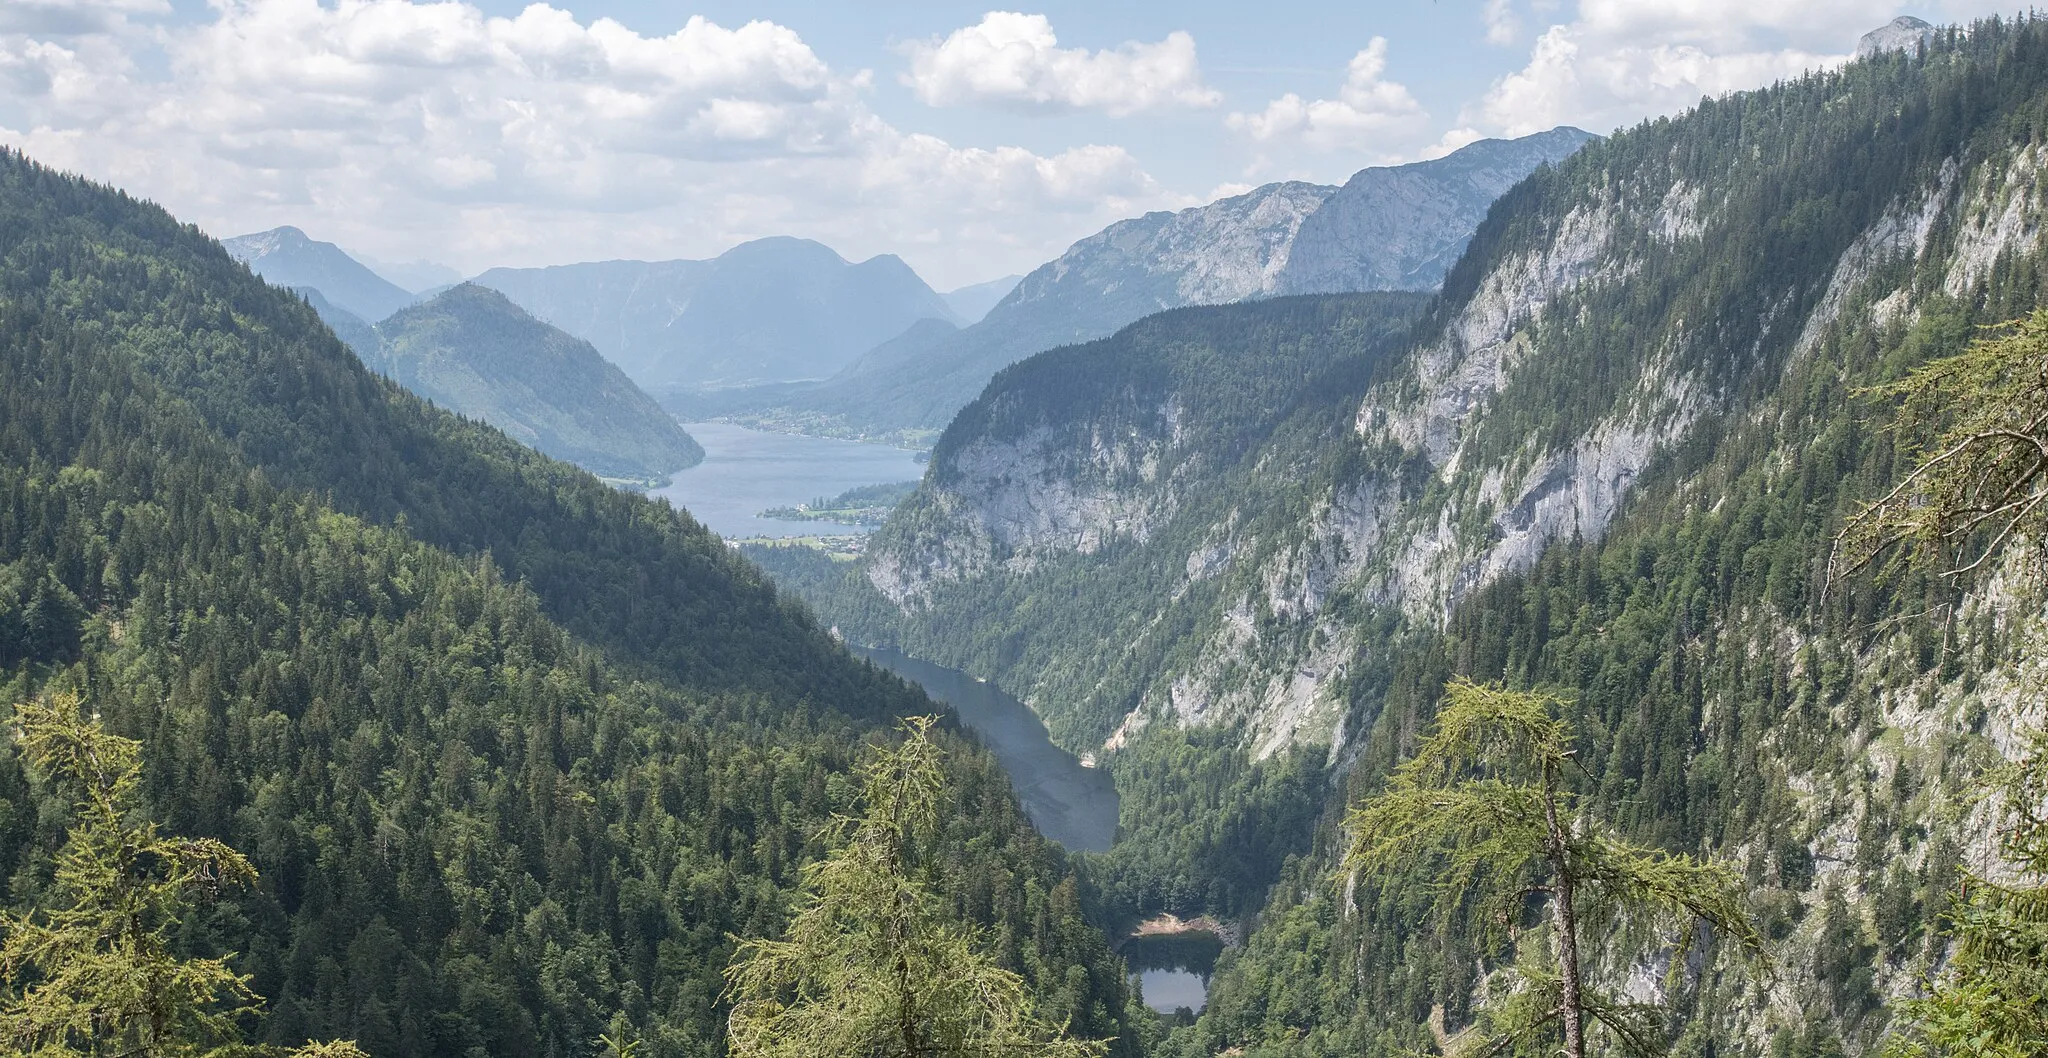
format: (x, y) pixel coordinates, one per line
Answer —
(1385, 229)
(469, 349)
(287, 257)
(515, 755)
(1232, 249)
(1608, 462)
(772, 310)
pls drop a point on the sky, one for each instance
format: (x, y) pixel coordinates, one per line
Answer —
(971, 141)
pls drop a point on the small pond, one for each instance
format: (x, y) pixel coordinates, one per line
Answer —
(1173, 969)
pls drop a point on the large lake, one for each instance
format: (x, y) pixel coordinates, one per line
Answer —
(745, 472)
(1073, 805)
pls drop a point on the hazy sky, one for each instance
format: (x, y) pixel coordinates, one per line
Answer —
(973, 142)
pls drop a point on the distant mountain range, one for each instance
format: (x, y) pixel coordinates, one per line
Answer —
(971, 303)
(1394, 228)
(787, 334)
(424, 278)
(474, 352)
(288, 258)
(771, 310)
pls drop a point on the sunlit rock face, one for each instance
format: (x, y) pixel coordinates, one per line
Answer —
(1904, 33)
(1401, 227)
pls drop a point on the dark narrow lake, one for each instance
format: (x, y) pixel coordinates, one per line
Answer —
(1071, 804)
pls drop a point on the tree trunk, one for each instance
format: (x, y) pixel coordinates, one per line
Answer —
(1571, 999)
(906, 1012)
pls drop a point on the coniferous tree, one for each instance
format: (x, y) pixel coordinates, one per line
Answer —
(1992, 999)
(97, 976)
(873, 965)
(1486, 789)
(1980, 483)
(1982, 477)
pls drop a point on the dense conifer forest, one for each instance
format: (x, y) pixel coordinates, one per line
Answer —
(515, 756)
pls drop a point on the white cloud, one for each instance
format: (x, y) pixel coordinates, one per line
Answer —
(1369, 111)
(1502, 27)
(1575, 76)
(1014, 60)
(427, 129)
(1619, 61)
(1451, 141)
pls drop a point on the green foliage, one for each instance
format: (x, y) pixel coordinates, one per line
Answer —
(1204, 828)
(96, 974)
(1991, 1000)
(1983, 475)
(514, 754)
(1483, 790)
(873, 963)
(472, 351)
(1979, 484)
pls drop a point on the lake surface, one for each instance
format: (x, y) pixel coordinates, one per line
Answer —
(1174, 969)
(1070, 804)
(745, 472)
(1169, 990)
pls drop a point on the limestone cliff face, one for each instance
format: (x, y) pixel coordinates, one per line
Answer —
(1658, 348)
(1228, 250)
(1402, 227)
(1505, 477)
(1009, 501)
(1493, 507)
(1389, 228)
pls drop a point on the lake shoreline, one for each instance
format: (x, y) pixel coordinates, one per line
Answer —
(1067, 801)
(1166, 924)
(747, 472)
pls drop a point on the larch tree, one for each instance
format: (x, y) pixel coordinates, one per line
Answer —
(1977, 423)
(873, 965)
(1485, 792)
(95, 975)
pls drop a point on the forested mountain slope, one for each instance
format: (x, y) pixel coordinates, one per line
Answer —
(1106, 453)
(354, 331)
(515, 753)
(473, 352)
(1610, 463)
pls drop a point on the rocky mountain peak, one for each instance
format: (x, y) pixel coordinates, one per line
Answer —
(1400, 227)
(288, 257)
(247, 248)
(1904, 33)
(1228, 250)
